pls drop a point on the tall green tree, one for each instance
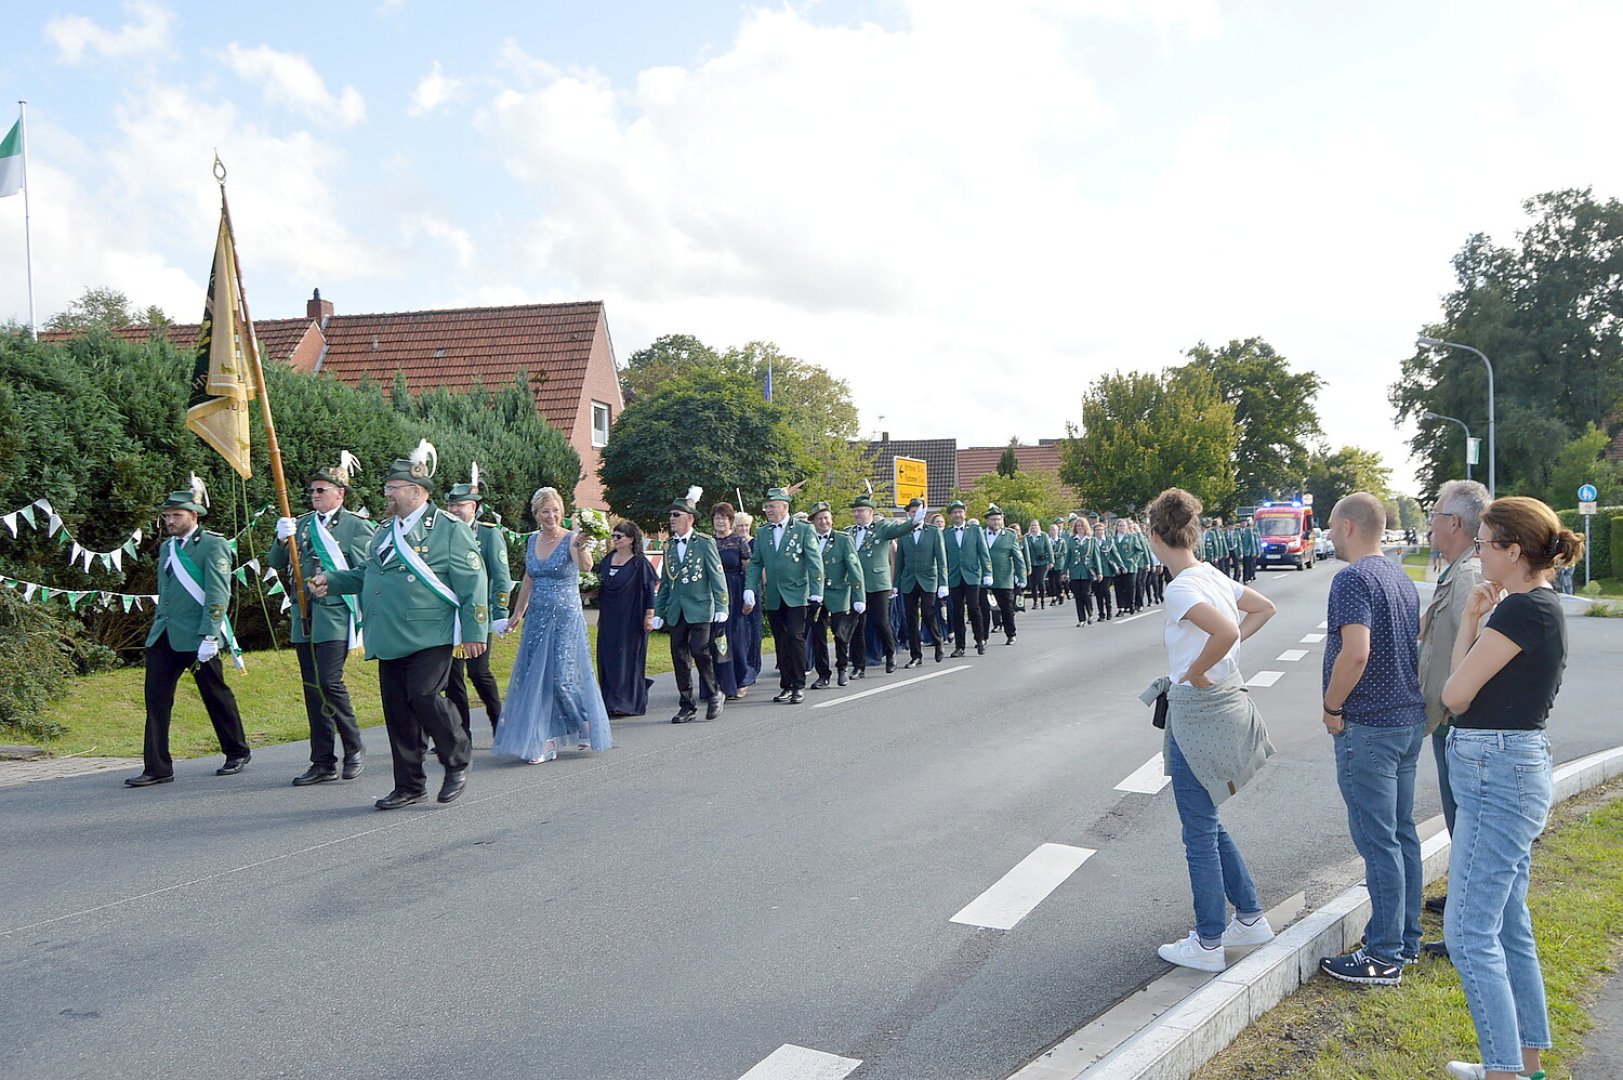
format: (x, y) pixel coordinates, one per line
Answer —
(1330, 476)
(663, 359)
(1009, 463)
(104, 306)
(1143, 433)
(1031, 493)
(1582, 461)
(1274, 408)
(1548, 313)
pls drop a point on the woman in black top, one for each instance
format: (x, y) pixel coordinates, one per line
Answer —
(625, 611)
(1503, 684)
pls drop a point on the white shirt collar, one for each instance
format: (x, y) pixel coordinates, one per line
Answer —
(409, 522)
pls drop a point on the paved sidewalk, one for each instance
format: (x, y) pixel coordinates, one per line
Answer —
(13, 773)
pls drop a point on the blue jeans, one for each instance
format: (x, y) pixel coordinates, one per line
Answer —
(1445, 790)
(1502, 782)
(1375, 769)
(1216, 868)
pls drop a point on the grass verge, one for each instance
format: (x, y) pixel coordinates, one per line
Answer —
(105, 714)
(1330, 1031)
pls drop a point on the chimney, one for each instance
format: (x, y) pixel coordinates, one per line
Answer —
(317, 308)
(884, 436)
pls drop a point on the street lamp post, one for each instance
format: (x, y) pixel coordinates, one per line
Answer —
(1429, 415)
(1493, 489)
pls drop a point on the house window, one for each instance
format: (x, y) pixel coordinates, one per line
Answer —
(600, 424)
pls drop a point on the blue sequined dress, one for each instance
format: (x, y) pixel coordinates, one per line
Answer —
(553, 693)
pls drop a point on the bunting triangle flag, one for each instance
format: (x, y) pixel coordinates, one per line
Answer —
(11, 523)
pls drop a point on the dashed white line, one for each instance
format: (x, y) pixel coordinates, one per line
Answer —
(1324, 625)
(1265, 678)
(1148, 778)
(1016, 893)
(889, 686)
(791, 1062)
(1312, 639)
(1290, 656)
(1130, 618)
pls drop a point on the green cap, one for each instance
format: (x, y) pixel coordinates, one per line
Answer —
(819, 508)
(992, 509)
(463, 493)
(183, 500)
(862, 500)
(777, 494)
(915, 504)
(957, 504)
(338, 475)
(418, 468)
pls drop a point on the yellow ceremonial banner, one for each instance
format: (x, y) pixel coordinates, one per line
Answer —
(222, 378)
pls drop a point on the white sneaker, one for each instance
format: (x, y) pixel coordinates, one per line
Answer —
(1238, 933)
(1470, 1070)
(1190, 953)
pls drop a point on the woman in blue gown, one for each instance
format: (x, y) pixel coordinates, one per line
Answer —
(625, 610)
(552, 697)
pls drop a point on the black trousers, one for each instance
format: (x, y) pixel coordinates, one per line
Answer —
(1056, 582)
(1101, 596)
(1005, 609)
(1124, 592)
(789, 636)
(690, 647)
(878, 613)
(1037, 588)
(966, 605)
(326, 702)
(1082, 590)
(1158, 583)
(476, 671)
(920, 604)
(164, 668)
(1141, 588)
(415, 711)
(842, 625)
(1250, 562)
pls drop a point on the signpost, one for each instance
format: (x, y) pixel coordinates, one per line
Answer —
(911, 480)
(1586, 506)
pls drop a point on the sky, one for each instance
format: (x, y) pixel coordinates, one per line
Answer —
(969, 211)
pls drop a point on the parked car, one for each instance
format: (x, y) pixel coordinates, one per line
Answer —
(1323, 547)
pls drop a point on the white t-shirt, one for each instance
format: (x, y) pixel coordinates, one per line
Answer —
(1200, 584)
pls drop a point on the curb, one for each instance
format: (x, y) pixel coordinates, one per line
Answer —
(1186, 1036)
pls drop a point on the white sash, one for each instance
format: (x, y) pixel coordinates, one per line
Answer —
(431, 579)
(193, 587)
(323, 538)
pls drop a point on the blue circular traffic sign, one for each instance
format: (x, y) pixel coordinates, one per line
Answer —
(1587, 493)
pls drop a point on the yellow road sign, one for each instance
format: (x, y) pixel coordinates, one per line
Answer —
(912, 480)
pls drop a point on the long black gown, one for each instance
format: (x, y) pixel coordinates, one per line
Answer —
(735, 671)
(624, 597)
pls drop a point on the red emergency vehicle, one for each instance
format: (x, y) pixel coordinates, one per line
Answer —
(1286, 529)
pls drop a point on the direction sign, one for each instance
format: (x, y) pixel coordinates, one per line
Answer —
(1587, 509)
(912, 480)
(1588, 494)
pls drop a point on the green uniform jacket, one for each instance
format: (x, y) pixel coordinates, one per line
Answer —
(1082, 558)
(794, 570)
(329, 616)
(1111, 560)
(921, 560)
(1233, 538)
(1040, 552)
(968, 562)
(404, 615)
(1214, 545)
(180, 618)
(1136, 550)
(1250, 542)
(874, 551)
(842, 574)
(694, 590)
(493, 549)
(1008, 559)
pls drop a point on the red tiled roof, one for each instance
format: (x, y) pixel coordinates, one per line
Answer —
(975, 462)
(277, 337)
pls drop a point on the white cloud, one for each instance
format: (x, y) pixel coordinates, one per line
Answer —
(77, 37)
(291, 80)
(458, 239)
(434, 90)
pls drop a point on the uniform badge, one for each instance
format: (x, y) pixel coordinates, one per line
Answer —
(216, 611)
(473, 559)
(480, 613)
(224, 565)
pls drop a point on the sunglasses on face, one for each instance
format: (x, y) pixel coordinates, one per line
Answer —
(617, 536)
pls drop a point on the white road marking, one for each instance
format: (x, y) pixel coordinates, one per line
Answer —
(1016, 893)
(1130, 618)
(1290, 656)
(1148, 778)
(791, 1062)
(1265, 678)
(1324, 626)
(889, 686)
(1312, 639)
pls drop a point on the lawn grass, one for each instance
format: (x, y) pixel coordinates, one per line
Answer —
(1329, 1030)
(105, 716)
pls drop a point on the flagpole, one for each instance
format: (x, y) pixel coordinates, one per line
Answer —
(273, 447)
(28, 229)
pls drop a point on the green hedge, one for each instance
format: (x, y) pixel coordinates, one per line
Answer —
(1604, 554)
(1616, 546)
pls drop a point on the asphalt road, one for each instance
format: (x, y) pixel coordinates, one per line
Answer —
(681, 906)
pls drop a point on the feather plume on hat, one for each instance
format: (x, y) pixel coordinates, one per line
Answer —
(473, 478)
(200, 492)
(348, 464)
(695, 493)
(425, 457)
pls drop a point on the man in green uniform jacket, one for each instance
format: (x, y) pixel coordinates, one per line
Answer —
(425, 591)
(463, 501)
(969, 568)
(328, 538)
(844, 596)
(1214, 544)
(692, 600)
(790, 561)
(194, 594)
(1250, 550)
(1040, 556)
(921, 578)
(875, 544)
(1009, 572)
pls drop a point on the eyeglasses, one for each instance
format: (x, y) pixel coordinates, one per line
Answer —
(395, 489)
(1501, 544)
(617, 536)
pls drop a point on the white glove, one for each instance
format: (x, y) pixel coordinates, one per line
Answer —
(918, 515)
(986, 579)
(894, 593)
(749, 599)
(941, 593)
(859, 607)
(285, 528)
(658, 622)
(719, 617)
(814, 599)
(207, 651)
(1019, 583)
(499, 627)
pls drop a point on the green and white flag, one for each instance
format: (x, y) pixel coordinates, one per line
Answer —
(11, 161)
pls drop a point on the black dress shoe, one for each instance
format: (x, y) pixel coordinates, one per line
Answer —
(782, 695)
(1011, 640)
(913, 661)
(859, 673)
(714, 710)
(353, 767)
(232, 766)
(1437, 904)
(397, 798)
(980, 648)
(1436, 950)
(796, 697)
(840, 679)
(455, 781)
(940, 654)
(821, 683)
(956, 653)
(315, 775)
(147, 780)
(890, 665)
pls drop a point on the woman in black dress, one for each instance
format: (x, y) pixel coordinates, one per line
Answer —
(735, 673)
(625, 612)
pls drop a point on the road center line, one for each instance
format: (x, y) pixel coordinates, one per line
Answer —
(1324, 626)
(889, 686)
(1130, 618)
(1016, 893)
(1148, 778)
(1290, 656)
(1265, 678)
(1312, 639)
(791, 1062)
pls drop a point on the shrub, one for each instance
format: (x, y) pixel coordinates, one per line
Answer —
(34, 666)
(1602, 563)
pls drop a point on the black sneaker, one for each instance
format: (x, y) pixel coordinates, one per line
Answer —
(1437, 904)
(1360, 967)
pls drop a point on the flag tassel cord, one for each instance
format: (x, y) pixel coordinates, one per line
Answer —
(272, 447)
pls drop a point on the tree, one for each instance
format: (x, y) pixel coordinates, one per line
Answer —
(1581, 462)
(1549, 315)
(103, 306)
(1037, 493)
(1009, 463)
(1331, 476)
(833, 470)
(1274, 408)
(707, 428)
(1143, 433)
(1410, 516)
(664, 359)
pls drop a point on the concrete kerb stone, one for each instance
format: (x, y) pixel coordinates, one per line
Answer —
(1184, 1037)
